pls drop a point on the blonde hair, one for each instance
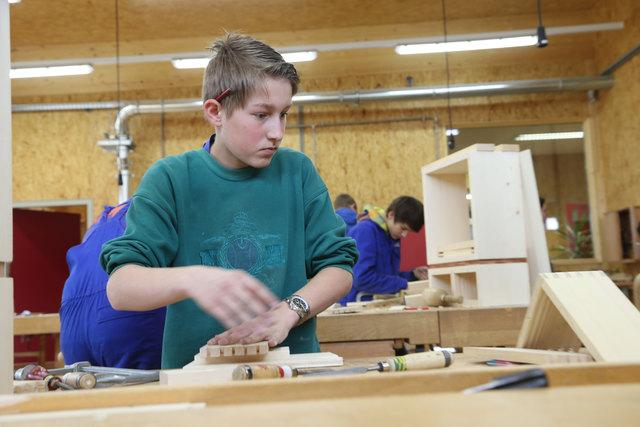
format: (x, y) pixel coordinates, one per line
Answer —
(242, 64)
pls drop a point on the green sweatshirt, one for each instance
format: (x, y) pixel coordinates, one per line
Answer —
(277, 223)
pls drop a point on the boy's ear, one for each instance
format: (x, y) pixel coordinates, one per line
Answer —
(213, 112)
(391, 216)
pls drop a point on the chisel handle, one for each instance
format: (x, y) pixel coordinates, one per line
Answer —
(255, 372)
(416, 361)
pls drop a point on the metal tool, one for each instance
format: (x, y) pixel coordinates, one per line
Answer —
(410, 362)
(532, 378)
(37, 372)
(106, 376)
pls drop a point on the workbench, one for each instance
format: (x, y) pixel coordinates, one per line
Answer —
(586, 394)
(442, 326)
(39, 325)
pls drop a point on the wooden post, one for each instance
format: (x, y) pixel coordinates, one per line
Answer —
(6, 226)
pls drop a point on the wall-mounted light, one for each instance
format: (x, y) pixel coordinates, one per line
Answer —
(189, 63)
(63, 70)
(465, 45)
(549, 136)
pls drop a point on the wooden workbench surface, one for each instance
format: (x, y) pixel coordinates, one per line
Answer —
(304, 390)
(35, 324)
(595, 405)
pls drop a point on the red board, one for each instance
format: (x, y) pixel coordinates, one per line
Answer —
(39, 268)
(413, 251)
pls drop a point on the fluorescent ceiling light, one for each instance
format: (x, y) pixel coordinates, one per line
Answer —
(300, 56)
(14, 1)
(549, 136)
(189, 63)
(65, 70)
(458, 46)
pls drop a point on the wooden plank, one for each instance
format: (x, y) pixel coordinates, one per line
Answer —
(463, 327)
(418, 327)
(536, 239)
(599, 314)
(238, 353)
(193, 374)
(521, 355)
(358, 349)
(403, 384)
(415, 287)
(6, 336)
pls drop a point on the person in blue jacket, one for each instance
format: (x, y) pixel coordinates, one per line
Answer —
(347, 209)
(90, 329)
(377, 236)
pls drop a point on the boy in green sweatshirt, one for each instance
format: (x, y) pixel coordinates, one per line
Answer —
(238, 239)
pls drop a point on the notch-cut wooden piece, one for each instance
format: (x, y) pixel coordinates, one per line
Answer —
(233, 353)
(522, 355)
(583, 306)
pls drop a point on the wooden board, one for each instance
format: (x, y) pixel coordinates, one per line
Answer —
(537, 251)
(238, 353)
(204, 374)
(462, 327)
(6, 335)
(358, 349)
(35, 324)
(521, 355)
(417, 327)
(587, 307)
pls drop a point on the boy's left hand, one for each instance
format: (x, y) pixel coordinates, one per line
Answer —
(421, 273)
(272, 326)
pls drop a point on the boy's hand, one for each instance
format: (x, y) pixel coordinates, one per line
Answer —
(421, 273)
(273, 326)
(233, 297)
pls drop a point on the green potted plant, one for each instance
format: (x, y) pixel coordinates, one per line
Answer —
(577, 235)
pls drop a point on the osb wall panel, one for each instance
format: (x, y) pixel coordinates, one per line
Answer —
(56, 156)
(373, 162)
(619, 126)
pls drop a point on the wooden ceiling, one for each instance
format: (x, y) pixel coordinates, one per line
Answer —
(46, 30)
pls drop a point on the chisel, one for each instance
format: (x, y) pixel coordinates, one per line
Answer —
(410, 362)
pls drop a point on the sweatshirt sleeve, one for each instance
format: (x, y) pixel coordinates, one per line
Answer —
(150, 239)
(366, 273)
(325, 241)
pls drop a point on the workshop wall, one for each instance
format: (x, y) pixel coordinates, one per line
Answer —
(56, 156)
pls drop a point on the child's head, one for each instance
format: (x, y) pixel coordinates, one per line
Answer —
(345, 201)
(405, 210)
(243, 64)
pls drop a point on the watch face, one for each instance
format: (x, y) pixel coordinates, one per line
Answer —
(300, 303)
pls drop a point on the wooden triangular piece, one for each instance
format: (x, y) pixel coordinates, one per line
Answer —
(585, 306)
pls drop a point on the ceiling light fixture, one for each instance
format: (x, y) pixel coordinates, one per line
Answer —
(549, 136)
(14, 1)
(190, 63)
(466, 45)
(65, 70)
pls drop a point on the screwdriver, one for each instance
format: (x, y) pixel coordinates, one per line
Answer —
(410, 362)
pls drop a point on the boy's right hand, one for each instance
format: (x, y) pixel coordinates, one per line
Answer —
(231, 296)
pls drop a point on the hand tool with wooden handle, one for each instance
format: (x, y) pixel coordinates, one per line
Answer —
(410, 362)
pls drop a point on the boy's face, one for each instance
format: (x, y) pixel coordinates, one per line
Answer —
(397, 230)
(252, 134)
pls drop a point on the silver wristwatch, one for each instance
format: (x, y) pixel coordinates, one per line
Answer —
(300, 306)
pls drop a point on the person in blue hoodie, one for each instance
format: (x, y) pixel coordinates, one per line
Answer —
(378, 236)
(347, 209)
(90, 329)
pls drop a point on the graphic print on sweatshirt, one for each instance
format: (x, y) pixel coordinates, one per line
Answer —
(242, 247)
